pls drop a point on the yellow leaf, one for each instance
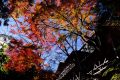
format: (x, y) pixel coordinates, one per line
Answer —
(38, 7)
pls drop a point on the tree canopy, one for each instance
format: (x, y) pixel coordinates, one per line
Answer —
(48, 24)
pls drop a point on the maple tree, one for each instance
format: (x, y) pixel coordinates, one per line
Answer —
(22, 57)
(47, 23)
(45, 20)
(50, 22)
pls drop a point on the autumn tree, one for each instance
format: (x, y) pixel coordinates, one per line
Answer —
(54, 22)
(49, 23)
(22, 57)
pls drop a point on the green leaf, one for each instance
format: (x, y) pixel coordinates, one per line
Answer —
(115, 77)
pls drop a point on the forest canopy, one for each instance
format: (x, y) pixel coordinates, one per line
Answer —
(48, 26)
